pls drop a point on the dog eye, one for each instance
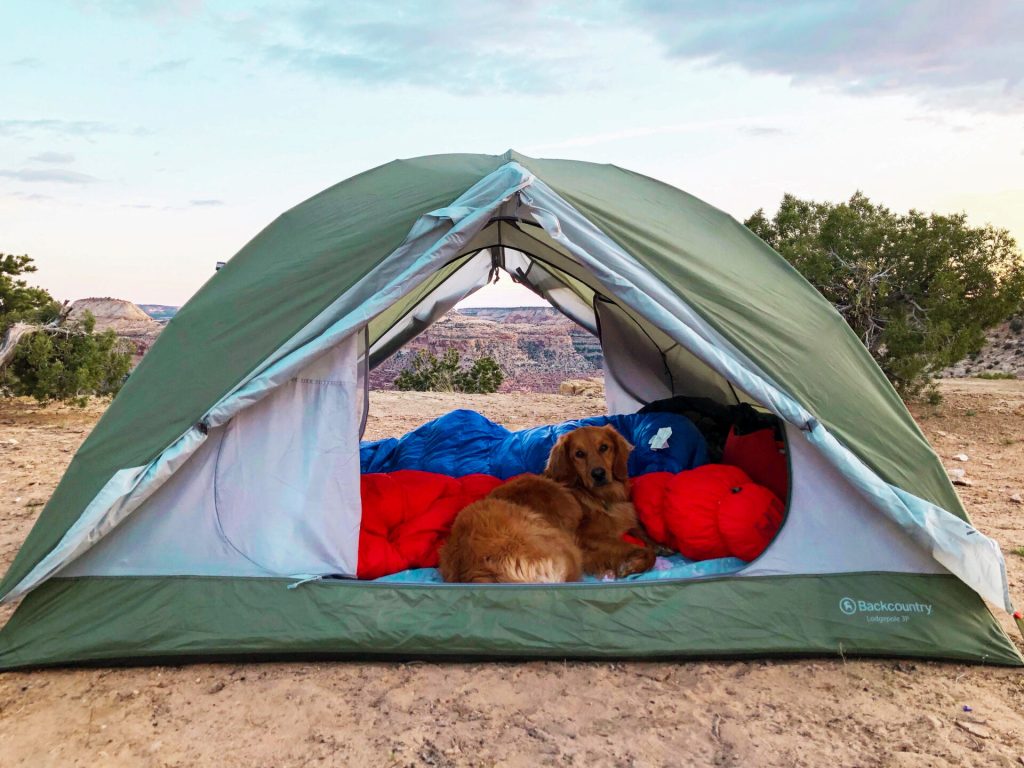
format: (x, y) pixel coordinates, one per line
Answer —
(581, 454)
(603, 448)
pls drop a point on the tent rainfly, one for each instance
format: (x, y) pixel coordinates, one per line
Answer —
(227, 469)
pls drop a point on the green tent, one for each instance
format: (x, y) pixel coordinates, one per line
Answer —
(200, 517)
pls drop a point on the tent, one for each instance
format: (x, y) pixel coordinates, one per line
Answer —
(199, 518)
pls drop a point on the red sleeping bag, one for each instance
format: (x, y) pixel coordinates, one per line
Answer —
(709, 512)
(761, 456)
(408, 514)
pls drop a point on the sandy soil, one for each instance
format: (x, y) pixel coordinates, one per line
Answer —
(761, 713)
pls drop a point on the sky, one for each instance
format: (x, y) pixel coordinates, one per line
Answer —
(142, 141)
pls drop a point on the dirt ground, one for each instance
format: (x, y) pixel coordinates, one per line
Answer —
(758, 713)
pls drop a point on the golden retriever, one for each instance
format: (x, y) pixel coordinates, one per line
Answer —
(523, 531)
(592, 463)
(554, 527)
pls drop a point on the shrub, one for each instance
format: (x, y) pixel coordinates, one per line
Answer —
(69, 365)
(55, 359)
(427, 373)
(918, 289)
(994, 375)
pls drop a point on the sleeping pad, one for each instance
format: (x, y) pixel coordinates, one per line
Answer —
(464, 442)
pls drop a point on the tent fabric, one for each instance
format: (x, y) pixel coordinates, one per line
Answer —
(434, 238)
(240, 619)
(757, 300)
(464, 442)
(737, 284)
(951, 540)
(251, 307)
(357, 259)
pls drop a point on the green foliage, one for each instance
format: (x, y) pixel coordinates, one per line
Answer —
(427, 373)
(483, 376)
(918, 289)
(18, 300)
(59, 361)
(70, 365)
(994, 375)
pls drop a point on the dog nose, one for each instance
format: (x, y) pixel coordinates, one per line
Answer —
(598, 473)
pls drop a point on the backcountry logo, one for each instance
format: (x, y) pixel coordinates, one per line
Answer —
(849, 606)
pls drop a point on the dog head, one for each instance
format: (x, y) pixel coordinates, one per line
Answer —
(593, 458)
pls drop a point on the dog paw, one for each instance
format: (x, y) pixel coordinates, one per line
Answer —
(637, 562)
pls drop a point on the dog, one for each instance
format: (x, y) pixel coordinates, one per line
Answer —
(553, 527)
(524, 531)
(591, 462)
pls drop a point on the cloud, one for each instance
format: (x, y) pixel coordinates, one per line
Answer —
(66, 127)
(74, 128)
(692, 126)
(34, 197)
(28, 62)
(154, 10)
(462, 48)
(53, 157)
(969, 55)
(205, 203)
(169, 65)
(56, 175)
(761, 130)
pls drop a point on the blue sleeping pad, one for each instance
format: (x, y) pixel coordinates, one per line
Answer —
(464, 442)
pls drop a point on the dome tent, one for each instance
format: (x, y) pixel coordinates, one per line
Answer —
(226, 470)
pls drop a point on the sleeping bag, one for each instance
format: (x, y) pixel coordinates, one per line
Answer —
(406, 516)
(710, 512)
(464, 442)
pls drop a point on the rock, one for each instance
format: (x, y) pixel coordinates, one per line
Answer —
(1001, 353)
(581, 387)
(961, 457)
(975, 729)
(1016, 498)
(536, 347)
(122, 317)
(217, 687)
(959, 477)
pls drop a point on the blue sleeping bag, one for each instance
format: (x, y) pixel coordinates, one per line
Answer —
(464, 442)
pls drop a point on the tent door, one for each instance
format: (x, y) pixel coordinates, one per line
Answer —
(286, 487)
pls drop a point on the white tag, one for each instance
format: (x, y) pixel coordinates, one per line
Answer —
(660, 440)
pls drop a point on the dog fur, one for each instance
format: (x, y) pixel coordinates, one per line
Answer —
(592, 463)
(522, 532)
(554, 527)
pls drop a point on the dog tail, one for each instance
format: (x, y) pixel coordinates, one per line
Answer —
(544, 570)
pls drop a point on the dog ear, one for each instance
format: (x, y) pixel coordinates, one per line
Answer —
(560, 468)
(620, 469)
